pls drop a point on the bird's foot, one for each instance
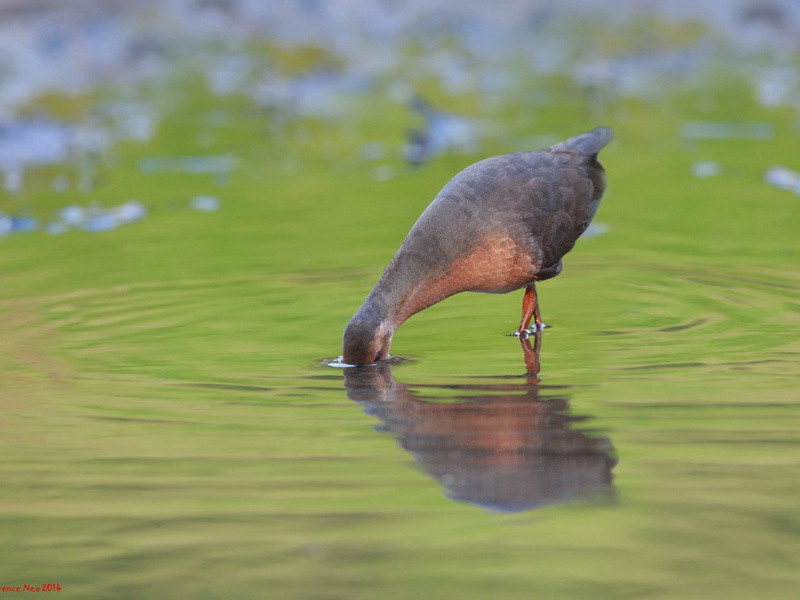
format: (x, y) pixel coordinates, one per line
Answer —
(524, 333)
(535, 328)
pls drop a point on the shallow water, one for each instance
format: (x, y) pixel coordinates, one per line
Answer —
(159, 443)
(169, 427)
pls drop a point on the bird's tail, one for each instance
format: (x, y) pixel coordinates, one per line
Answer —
(589, 143)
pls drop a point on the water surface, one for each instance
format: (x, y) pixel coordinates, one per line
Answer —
(652, 457)
(167, 428)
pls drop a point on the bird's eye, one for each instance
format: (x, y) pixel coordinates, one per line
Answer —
(377, 357)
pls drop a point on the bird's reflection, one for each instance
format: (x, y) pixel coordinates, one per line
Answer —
(507, 447)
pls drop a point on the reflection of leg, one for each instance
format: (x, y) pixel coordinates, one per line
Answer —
(531, 354)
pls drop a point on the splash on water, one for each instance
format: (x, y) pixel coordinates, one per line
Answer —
(338, 363)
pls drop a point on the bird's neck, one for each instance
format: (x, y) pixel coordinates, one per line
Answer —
(403, 291)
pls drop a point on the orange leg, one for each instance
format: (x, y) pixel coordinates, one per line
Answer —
(530, 309)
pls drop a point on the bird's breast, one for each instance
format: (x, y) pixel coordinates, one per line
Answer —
(496, 263)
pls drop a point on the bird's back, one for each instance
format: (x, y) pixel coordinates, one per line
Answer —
(542, 200)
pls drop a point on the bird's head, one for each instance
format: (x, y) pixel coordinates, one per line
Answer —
(367, 338)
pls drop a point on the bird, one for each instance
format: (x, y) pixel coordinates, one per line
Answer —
(500, 225)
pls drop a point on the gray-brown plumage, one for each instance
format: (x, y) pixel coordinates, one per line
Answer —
(499, 225)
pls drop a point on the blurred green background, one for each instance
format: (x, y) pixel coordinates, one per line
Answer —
(198, 195)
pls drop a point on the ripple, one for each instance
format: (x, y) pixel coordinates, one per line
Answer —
(227, 387)
(694, 323)
(338, 363)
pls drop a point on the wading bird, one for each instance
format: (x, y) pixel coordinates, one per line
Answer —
(501, 224)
